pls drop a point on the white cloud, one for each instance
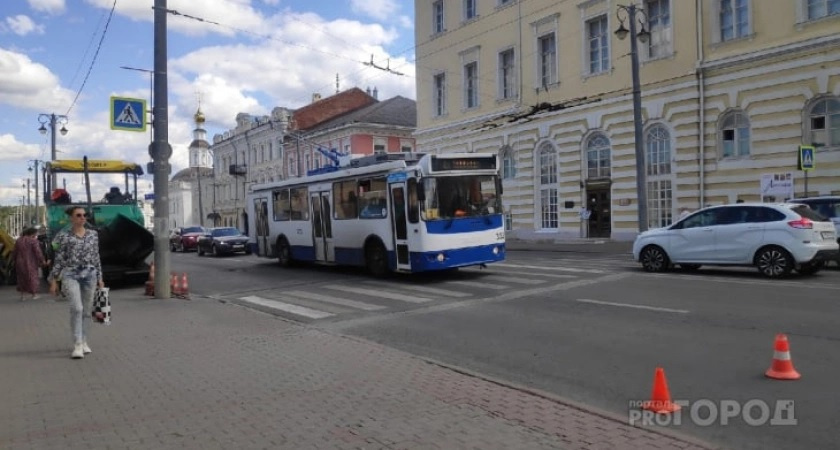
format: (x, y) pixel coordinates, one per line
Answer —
(13, 150)
(29, 84)
(378, 9)
(23, 25)
(48, 6)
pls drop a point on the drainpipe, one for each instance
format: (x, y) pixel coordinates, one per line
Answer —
(701, 86)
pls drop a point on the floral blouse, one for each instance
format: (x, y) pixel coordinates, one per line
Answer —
(72, 251)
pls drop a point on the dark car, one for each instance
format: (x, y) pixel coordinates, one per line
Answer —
(223, 240)
(185, 238)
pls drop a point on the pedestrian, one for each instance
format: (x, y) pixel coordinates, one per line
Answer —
(78, 267)
(28, 261)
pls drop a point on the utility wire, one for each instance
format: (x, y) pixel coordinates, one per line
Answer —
(93, 61)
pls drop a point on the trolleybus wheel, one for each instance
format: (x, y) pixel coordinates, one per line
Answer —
(376, 259)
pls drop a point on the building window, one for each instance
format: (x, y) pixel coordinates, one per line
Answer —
(659, 183)
(547, 45)
(548, 187)
(469, 10)
(406, 146)
(507, 74)
(659, 24)
(508, 221)
(598, 156)
(440, 94)
(379, 146)
(734, 19)
(824, 122)
(471, 85)
(734, 135)
(822, 8)
(437, 17)
(508, 163)
(598, 40)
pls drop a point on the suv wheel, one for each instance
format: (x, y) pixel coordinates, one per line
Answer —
(774, 262)
(654, 259)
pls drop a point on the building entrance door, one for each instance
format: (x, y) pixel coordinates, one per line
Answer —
(600, 218)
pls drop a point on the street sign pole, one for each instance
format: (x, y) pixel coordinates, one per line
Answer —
(807, 160)
(161, 151)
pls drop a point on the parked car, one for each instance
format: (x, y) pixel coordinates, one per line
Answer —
(185, 238)
(828, 206)
(776, 238)
(223, 240)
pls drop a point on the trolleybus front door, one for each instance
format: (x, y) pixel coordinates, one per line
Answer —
(322, 227)
(261, 226)
(400, 225)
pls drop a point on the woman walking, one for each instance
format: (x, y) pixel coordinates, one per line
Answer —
(79, 269)
(28, 260)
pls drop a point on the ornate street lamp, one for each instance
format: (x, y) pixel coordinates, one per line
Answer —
(53, 120)
(631, 14)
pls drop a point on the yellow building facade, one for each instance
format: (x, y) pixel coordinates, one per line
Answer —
(730, 89)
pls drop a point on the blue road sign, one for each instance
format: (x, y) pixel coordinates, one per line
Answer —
(807, 158)
(128, 114)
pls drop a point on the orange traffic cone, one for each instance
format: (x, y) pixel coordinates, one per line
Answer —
(782, 366)
(175, 290)
(185, 286)
(150, 283)
(660, 402)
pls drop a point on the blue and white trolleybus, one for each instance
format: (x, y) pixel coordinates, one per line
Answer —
(389, 213)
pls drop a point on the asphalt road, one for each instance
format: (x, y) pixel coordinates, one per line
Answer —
(590, 327)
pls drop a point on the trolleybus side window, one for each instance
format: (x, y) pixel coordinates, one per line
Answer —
(346, 205)
(372, 198)
(413, 203)
(300, 204)
(282, 206)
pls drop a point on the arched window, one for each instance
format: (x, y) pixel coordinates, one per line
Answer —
(598, 156)
(548, 186)
(508, 163)
(824, 122)
(659, 182)
(734, 135)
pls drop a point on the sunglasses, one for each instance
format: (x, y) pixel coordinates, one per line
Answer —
(80, 215)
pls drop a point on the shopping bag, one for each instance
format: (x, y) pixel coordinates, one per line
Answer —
(101, 310)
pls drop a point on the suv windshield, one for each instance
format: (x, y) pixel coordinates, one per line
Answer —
(225, 232)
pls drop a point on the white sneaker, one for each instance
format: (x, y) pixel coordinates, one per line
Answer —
(78, 352)
(85, 348)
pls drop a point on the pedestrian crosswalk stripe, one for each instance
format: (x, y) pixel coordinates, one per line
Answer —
(557, 268)
(479, 284)
(518, 280)
(287, 307)
(378, 293)
(544, 275)
(425, 290)
(334, 300)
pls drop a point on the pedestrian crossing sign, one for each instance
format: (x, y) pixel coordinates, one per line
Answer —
(128, 114)
(807, 158)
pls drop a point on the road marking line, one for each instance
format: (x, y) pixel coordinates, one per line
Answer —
(377, 293)
(424, 289)
(515, 280)
(478, 284)
(334, 300)
(627, 305)
(544, 275)
(563, 269)
(287, 307)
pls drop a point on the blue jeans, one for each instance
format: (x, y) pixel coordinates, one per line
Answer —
(78, 285)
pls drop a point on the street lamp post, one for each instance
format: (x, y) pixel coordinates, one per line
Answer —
(53, 120)
(630, 13)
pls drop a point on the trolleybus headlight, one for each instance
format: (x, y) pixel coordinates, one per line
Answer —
(440, 257)
(495, 250)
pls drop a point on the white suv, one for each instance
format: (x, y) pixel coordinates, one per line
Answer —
(828, 206)
(776, 238)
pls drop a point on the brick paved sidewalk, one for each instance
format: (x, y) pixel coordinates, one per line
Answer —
(201, 374)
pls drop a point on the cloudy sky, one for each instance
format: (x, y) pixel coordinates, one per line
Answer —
(65, 56)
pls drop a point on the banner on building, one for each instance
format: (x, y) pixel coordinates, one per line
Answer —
(776, 187)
